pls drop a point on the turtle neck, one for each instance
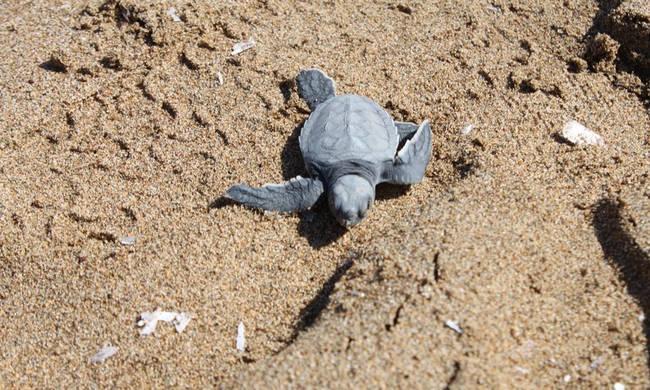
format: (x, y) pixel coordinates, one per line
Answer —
(330, 173)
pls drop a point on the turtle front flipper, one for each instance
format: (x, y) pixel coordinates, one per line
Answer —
(405, 130)
(296, 194)
(315, 87)
(412, 160)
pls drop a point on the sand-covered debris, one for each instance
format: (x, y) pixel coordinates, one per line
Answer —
(103, 354)
(577, 134)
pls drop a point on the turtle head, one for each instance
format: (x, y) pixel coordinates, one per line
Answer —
(350, 198)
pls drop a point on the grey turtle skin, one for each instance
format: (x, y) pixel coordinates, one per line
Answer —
(349, 144)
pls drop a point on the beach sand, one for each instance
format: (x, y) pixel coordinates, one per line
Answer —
(114, 125)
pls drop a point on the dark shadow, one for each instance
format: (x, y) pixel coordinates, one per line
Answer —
(310, 313)
(292, 162)
(622, 251)
(604, 8)
(285, 87)
(111, 62)
(54, 65)
(626, 61)
(319, 226)
(464, 166)
(558, 138)
(220, 203)
(386, 191)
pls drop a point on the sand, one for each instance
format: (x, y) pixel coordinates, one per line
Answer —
(114, 124)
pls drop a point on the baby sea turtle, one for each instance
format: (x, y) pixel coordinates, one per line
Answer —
(349, 144)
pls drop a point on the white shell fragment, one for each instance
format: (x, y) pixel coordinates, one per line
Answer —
(149, 320)
(467, 129)
(103, 354)
(180, 321)
(242, 46)
(127, 240)
(577, 134)
(241, 338)
(172, 14)
(219, 78)
(453, 326)
(641, 317)
(619, 386)
(567, 378)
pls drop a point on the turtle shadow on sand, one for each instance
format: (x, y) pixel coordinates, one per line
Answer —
(625, 254)
(317, 225)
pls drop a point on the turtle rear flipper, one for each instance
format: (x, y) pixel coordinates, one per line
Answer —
(296, 194)
(315, 87)
(411, 161)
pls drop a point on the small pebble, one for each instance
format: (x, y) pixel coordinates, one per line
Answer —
(567, 378)
(619, 386)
